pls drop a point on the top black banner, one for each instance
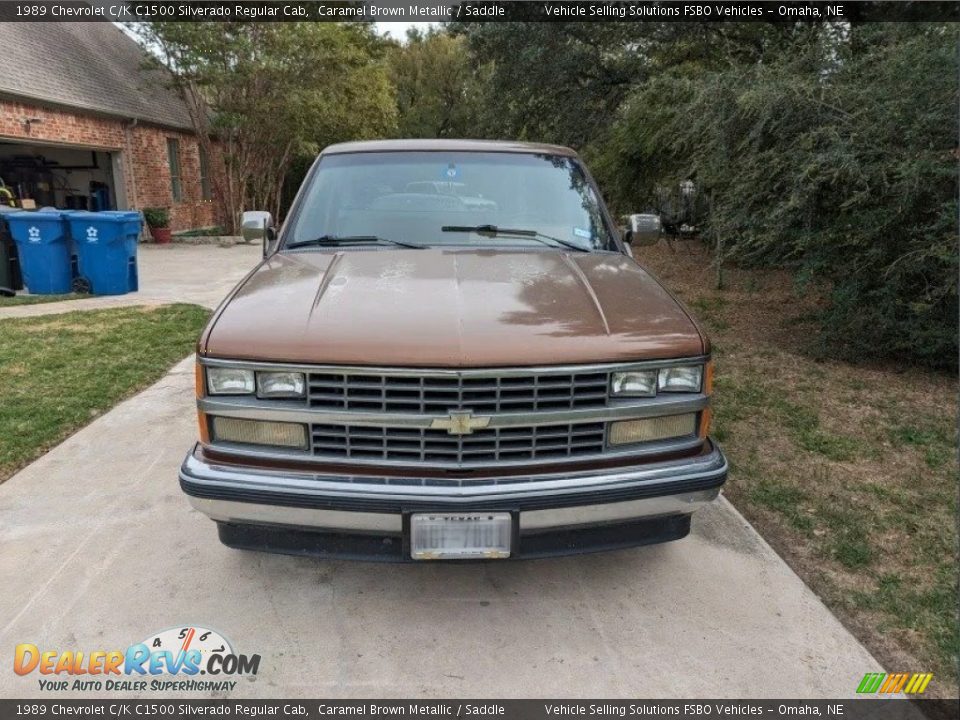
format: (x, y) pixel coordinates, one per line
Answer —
(472, 11)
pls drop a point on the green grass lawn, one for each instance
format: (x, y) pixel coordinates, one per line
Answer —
(59, 372)
(848, 471)
(36, 299)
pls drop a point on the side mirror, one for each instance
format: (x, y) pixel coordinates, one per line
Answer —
(644, 229)
(626, 234)
(257, 225)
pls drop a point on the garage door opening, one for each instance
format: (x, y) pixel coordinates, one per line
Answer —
(67, 178)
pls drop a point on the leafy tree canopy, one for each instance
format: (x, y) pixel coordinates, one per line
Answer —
(836, 159)
(274, 92)
(438, 94)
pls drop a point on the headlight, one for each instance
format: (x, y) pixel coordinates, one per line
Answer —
(685, 378)
(280, 384)
(646, 383)
(229, 381)
(636, 383)
(256, 432)
(624, 432)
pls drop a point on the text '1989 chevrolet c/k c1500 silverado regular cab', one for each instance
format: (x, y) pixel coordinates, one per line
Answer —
(449, 352)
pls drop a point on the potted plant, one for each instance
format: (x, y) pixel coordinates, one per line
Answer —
(158, 220)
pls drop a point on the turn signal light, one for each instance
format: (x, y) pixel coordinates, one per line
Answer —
(705, 417)
(257, 432)
(624, 432)
(201, 417)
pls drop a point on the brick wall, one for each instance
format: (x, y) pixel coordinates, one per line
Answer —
(151, 171)
(146, 169)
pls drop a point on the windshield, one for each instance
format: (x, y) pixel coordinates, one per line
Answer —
(451, 199)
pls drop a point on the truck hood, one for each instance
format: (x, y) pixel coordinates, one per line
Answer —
(450, 308)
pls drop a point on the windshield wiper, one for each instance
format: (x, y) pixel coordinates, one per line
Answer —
(351, 240)
(494, 230)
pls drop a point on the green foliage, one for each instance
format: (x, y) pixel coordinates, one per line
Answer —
(836, 160)
(437, 91)
(211, 231)
(564, 82)
(553, 82)
(273, 92)
(157, 217)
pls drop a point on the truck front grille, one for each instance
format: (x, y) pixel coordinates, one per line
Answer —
(419, 445)
(435, 394)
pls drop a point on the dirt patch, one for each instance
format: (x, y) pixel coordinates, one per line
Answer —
(848, 471)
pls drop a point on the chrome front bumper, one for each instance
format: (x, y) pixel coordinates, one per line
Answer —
(363, 504)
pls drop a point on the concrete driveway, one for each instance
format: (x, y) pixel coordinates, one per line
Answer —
(201, 274)
(99, 549)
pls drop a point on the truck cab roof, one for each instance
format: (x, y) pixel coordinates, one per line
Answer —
(448, 145)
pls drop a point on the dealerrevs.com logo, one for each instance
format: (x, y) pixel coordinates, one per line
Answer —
(169, 660)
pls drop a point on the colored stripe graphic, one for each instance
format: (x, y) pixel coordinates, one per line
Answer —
(893, 683)
(871, 682)
(902, 680)
(889, 683)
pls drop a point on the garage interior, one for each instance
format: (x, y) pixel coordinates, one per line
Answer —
(67, 178)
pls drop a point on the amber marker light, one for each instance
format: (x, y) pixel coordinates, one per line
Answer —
(201, 417)
(706, 416)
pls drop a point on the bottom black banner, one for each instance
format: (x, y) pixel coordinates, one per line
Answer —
(859, 709)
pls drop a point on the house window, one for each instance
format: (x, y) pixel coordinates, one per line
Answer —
(173, 156)
(205, 193)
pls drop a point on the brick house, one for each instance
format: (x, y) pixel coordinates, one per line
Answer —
(83, 124)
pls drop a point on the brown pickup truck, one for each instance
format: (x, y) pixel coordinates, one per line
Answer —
(449, 352)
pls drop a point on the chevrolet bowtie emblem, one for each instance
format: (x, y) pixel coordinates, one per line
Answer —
(460, 423)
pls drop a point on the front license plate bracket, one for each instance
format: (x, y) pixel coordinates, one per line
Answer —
(466, 535)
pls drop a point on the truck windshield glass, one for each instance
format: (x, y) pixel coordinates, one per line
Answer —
(411, 197)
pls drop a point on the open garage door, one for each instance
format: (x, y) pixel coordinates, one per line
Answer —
(74, 178)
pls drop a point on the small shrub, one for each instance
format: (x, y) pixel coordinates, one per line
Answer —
(157, 217)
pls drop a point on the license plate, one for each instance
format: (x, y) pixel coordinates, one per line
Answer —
(460, 536)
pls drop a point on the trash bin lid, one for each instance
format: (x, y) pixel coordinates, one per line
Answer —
(55, 215)
(104, 215)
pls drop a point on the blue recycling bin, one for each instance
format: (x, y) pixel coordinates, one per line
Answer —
(43, 244)
(106, 244)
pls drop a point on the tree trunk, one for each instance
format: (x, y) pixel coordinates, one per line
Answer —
(717, 251)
